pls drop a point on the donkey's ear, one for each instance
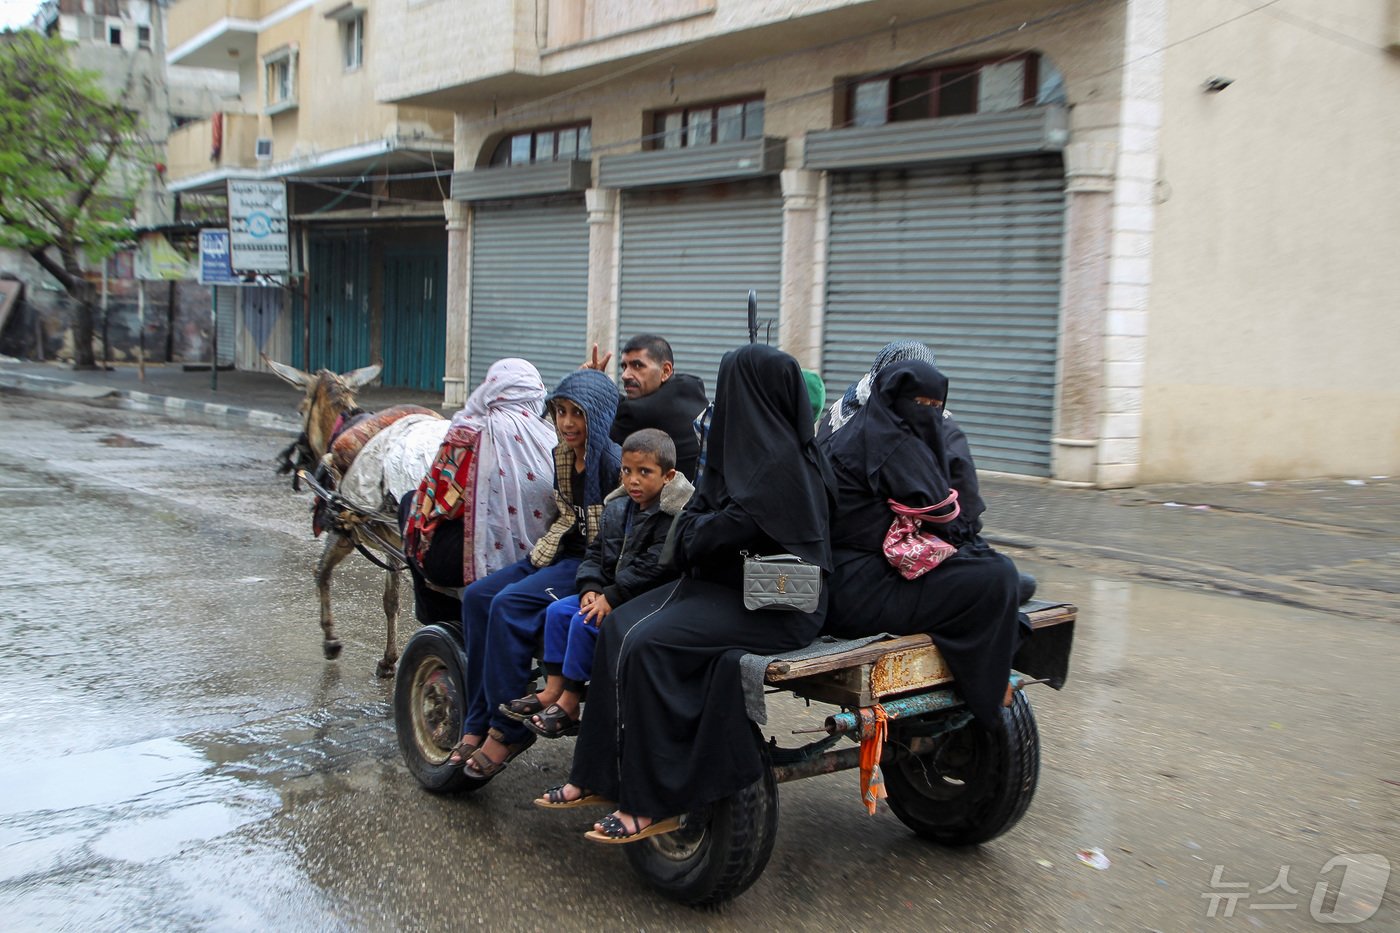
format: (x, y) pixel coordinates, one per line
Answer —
(290, 373)
(362, 376)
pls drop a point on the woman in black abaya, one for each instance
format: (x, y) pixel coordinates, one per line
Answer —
(896, 446)
(665, 729)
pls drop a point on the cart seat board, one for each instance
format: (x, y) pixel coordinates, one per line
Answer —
(870, 671)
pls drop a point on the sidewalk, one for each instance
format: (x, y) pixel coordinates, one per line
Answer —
(260, 399)
(1327, 544)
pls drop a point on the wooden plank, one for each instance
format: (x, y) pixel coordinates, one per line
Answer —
(784, 671)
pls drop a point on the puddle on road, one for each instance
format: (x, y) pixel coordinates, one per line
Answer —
(156, 837)
(137, 803)
(97, 779)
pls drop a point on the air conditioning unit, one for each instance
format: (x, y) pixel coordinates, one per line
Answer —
(263, 149)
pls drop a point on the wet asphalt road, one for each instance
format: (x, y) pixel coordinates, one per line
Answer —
(176, 754)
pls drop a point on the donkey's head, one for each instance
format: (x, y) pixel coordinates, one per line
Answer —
(327, 397)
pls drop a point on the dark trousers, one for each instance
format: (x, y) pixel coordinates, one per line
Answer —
(502, 622)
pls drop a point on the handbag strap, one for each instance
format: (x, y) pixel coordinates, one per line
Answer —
(924, 514)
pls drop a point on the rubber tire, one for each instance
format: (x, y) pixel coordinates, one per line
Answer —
(429, 702)
(719, 852)
(998, 774)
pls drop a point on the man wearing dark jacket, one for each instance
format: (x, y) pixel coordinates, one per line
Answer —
(656, 396)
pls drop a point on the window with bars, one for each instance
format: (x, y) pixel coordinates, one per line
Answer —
(552, 144)
(707, 124)
(950, 90)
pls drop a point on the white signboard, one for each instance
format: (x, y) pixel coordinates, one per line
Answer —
(257, 226)
(213, 259)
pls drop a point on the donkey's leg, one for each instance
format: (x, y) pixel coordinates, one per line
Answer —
(385, 668)
(336, 548)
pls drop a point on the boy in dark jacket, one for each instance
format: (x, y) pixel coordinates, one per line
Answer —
(623, 561)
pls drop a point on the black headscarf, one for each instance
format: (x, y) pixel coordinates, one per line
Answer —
(761, 452)
(885, 421)
(874, 444)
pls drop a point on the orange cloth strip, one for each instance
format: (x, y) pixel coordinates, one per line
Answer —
(872, 746)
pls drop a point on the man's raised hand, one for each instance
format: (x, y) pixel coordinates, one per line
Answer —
(595, 363)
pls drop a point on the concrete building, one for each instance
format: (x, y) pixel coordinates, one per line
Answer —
(366, 183)
(1144, 237)
(123, 41)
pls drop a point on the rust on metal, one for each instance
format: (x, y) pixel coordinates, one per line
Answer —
(904, 671)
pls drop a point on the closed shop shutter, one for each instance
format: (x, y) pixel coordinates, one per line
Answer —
(415, 317)
(340, 316)
(689, 258)
(966, 259)
(264, 328)
(227, 323)
(529, 286)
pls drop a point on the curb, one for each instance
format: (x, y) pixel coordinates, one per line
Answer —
(144, 401)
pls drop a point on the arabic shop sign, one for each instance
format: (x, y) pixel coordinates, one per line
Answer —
(257, 226)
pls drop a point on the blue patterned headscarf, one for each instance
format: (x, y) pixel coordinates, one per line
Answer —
(596, 394)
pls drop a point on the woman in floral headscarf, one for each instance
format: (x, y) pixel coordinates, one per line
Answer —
(468, 517)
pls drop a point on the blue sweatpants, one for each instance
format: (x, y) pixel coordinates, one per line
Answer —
(502, 619)
(568, 639)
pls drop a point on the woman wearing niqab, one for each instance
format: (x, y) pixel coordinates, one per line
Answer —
(897, 446)
(665, 729)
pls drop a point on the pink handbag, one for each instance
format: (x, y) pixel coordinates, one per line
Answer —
(908, 547)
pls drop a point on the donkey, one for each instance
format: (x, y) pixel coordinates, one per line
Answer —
(380, 472)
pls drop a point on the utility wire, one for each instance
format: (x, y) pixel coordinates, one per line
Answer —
(1324, 32)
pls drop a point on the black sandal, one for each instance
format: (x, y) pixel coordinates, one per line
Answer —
(553, 723)
(614, 832)
(522, 709)
(554, 799)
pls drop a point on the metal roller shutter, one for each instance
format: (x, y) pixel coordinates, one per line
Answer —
(529, 286)
(689, 258)
(229, 297)
(340, 338)
(967, 259)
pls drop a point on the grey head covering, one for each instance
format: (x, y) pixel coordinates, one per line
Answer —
(858, 392)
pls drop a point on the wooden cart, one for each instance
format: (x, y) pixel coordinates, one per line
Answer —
(949, 778)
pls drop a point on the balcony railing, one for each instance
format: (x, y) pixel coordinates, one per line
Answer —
(192, 150)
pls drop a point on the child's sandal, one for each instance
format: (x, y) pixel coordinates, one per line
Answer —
(522, 709)
(553, 723)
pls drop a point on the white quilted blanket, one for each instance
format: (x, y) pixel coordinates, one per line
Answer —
(393, 462)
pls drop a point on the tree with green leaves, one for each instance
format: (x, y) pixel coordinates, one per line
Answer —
(62, 143)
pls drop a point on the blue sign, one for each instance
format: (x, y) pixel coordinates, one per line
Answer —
(214, 268)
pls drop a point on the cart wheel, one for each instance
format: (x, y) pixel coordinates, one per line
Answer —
(429, 700)
(718, 853)
(975, 785)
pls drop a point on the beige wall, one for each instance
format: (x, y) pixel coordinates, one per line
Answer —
(1273, 336)
(336, 109)
(188, 18)
(439, 47)
(797, 86)
(189, 146)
